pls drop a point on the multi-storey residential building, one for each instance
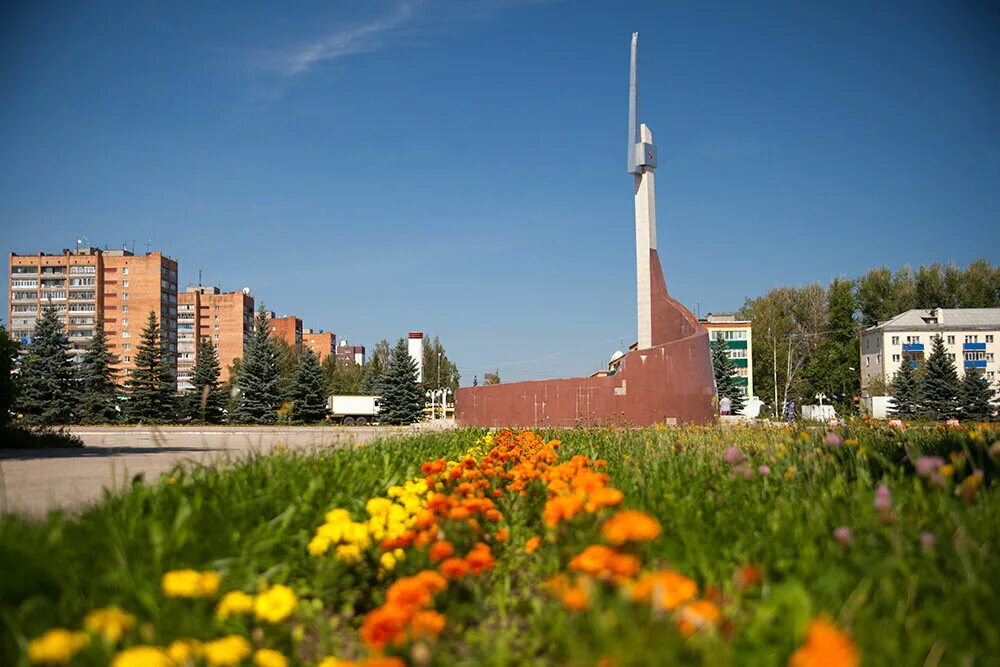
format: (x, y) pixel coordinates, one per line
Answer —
(351, 353)
(323, 343)
(86, 284)
(971, 337)
(224, 318)
(288, 329)
(738, 337)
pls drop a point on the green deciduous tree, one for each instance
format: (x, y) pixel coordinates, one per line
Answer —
(939, 384)
(343, 377)
(905, 402)
(726, 381)
(402, 398)
(152, 385)
(259, 397)
(46, 386)
(309, 394)
(832, 369)
(8, 352)
(98, 392)
(205, 398)
(975, 396)
(439, 371)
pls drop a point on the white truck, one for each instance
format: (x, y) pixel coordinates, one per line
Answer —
(353, 410)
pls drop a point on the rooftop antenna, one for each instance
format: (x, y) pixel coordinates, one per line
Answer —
(199, 277)
(148, 241)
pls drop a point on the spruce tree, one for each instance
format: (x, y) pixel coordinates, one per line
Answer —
(726, 381)
(905, 391)
(8, 352)
(99, 393)
(257, 382)
(151, 386)
(205, 398)
(939, 384)
(402, 398)
(976, 396)
(46, 385)
(309, 391)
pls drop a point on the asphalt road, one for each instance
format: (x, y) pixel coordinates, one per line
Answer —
(34, 482)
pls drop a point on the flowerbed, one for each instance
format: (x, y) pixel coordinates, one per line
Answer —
(840, 546)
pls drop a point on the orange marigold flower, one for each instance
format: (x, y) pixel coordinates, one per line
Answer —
(623, 566)
(502, 535)
(437, 502)
(603, 497)
(492, 515)
(427, 624)
(458, 513)
(575, 599)
(531, 546)
(408, 592)
(480, 558)
(825, 645)
(497, 493)
(697, 615)
(630, 526)
(384, 661)
(593, 559)
(431, 580)
(424, 520)
(561, 508)
(665, 589)
(432, 467)
(441, 550)
(384, 625)
(454, 568)
(747, 576)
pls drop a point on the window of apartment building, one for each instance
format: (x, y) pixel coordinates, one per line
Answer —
(127, 346)
(124, 321)
(24, 269)
(216, 336)
(127, 358)
(216, 327)
(24, 282)
(126, 334)
(22, 308)
(951, 355)
(895, 358)
(990, 374)
(895, 340)
(124, 309)
(125, 271)
(867, 361)
(972, 339)
(124, 283)
(79, 282)
(57, 294)
(25, 296)
(989, 338)
(951, 340)
(83, 268)
(912, 339)
(124, 296)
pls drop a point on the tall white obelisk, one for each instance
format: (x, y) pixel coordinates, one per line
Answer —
(641, 163)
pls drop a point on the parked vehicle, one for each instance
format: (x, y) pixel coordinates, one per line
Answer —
(353, 410)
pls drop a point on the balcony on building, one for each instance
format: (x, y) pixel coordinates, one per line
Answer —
(913, 347)
(968, 347)
(975, 363)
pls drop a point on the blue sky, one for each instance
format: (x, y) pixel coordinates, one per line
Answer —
(457, 166)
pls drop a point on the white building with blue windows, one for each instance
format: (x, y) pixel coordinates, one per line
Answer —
(971, 338)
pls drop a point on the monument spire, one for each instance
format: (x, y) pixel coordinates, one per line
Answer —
(641, 163)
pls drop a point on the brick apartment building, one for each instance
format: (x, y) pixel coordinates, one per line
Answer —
(288, 329)
(88, 284)
(224, 318)
(351, 354)
(322, 343)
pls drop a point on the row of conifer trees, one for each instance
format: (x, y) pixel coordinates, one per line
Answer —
(934, 391)
(51, 388)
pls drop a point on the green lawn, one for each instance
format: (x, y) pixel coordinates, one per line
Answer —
(904, 602)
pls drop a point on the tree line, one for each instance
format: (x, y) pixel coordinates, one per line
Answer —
(806, 339)
(272, 383)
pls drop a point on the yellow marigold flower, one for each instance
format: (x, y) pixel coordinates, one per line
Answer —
(234, 602)
(142, 656)
(229, 650)
(319, 545)
(56, 647)
(387, 561)
(181, 651)
(630, 526)
(275, 604)
(110, 622)
(947, 470)
(378, 506)
(349, 553)
(826, 645)
(190, 583)
(334, 662)
(266, 657)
